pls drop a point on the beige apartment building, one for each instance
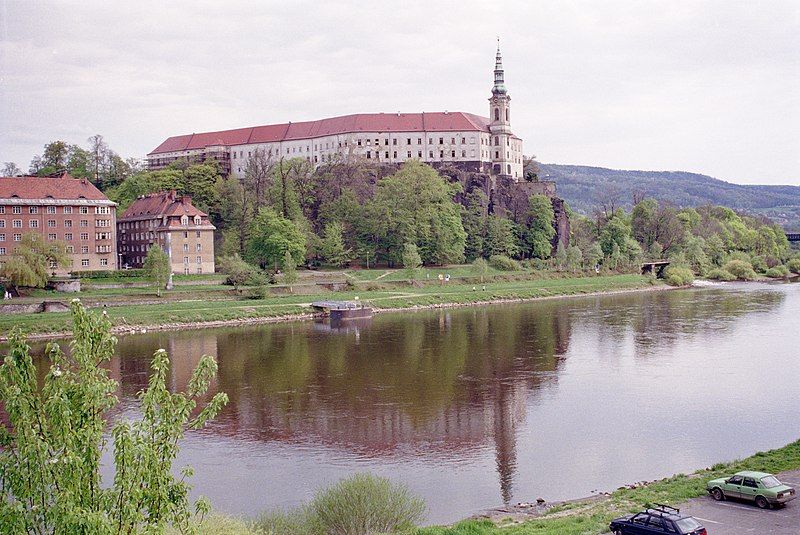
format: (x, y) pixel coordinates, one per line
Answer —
(465, 140)
(173, 223)
(60, 208)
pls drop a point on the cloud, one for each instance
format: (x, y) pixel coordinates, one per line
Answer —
(701, 86)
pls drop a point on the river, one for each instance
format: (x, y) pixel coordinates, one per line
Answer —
(474, 407)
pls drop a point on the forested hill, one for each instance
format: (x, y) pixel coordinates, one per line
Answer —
(584, 188)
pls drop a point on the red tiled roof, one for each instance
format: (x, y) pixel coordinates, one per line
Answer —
(361, 122)
(64, 187)
(161, 204)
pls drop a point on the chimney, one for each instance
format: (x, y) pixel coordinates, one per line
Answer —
(186, 200)
(171, 195)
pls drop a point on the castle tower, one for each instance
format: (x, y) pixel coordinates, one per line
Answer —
(500, 126)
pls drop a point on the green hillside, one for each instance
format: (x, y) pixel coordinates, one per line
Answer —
(584, 188)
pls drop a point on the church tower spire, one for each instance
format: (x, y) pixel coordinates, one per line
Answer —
(503, 143)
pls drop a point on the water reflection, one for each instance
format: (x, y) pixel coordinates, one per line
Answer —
(448, 389)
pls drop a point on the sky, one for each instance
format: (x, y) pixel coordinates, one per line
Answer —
(703, 86)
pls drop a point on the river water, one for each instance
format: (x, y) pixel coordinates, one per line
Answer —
(474, 407)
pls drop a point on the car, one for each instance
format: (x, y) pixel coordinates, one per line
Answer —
(657, 520)
(760, 487)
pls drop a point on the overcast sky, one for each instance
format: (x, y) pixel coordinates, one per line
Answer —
(710, 87)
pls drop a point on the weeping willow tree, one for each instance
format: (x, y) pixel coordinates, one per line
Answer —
(31, 259)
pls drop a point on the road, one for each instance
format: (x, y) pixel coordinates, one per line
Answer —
(740, 518)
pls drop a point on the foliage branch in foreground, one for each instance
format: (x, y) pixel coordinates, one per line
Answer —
(51, 452)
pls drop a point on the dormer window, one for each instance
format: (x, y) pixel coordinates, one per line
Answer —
(185, 220)
(197, 220)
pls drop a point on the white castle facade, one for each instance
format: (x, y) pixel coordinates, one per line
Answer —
(470, 142)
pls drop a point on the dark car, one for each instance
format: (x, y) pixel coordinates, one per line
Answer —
(659, 519)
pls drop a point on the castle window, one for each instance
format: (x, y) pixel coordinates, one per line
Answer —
(408, 141)
(409, 154)
(452, 154)
(315, 158)
(441, 141)
(497, 154)
(472, 141)
(452, 141)
(430, 154)
(496, 141)
(359, 142)
(395, 154)
(441, 154)
(463, 141)
(509, 169)
(387, 154)
(508, 114)
(497, 114)
(369, 154)
(394, 141)
(463, 154)
(430, 141)
(419, 141)
(377, 142)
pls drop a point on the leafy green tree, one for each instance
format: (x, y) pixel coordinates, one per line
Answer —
(238, 271)
(614, 232)
(539, 232)
(51, 449)
(53, 159)
(480, 267)
(561, 256)
(158, 267)
(474, 217)
(500, 237)
(289, 269)
(411, 260)
(574, 258)
(271, 236)
(283, 192)
(31, 259)
(333, 248)
(594, 254)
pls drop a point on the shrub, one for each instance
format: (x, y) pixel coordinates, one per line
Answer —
(759, 264)
(720, 275)
(741, 270)
(793, 265)
(108, 274)
(678, 276)
(504, 263)
(257, 292)
(778, 272)
(359, 505)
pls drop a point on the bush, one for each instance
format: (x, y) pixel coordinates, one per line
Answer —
(257, 292)
(504, 263)
(359, 505)
(759, 264)
(678, 276)
(778, 272)
(741, 270)
(793, 265)
(720, 275)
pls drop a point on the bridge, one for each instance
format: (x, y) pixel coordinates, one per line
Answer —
(657, 267)
(793, 236)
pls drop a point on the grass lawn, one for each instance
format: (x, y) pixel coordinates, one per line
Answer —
(212, 303)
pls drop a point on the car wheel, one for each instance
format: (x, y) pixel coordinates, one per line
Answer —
(762, 502)
(717, 493)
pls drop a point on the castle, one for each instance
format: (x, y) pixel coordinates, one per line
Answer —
(469, 142)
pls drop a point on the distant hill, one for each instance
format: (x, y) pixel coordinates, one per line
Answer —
(583, 187)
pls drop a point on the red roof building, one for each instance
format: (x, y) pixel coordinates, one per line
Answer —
(60, 208)
(463, 139)
(172, 222)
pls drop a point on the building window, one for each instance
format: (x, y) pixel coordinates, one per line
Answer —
(84, 209)
(508, 114)
(16, 223)
(419, 154)
(2, 250)
(2, 237)
(199, 260)
(51, 209)
(394, 141)
(197, 220)
(84, 249)
(441, 154)
(185, 259)
(101, 209)
(419, 141)
(430, 154)
(463, 141)
(441, 141)
(84, 222)
(198, 233)
(33, 223)
(463, 154)
(185, 247)
(51, 237)
(497, 114)
(199, 269)
(84, 236)
(2, 209)
(51, 223)
(198, 247)
(369, 155)
(184, 220)
(430, 141)
(16, 209)
(497, 154)
(2, 223)
(387, 154)
(452, 154)
(84, 262)
(409, 154)
(68, 209)
(359, 142)
(104, 261)
(496, 141)
(17, 237)
(70, 249)
(33, 209)
(68, 236)
(408, 141)
(185, 234)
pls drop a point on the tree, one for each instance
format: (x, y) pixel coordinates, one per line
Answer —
(561, 256)
(333, 248)
(258, 176)
(474, 218)
(289, 269)
(271, 236)
(480, 267)
(574, 258)
(31, 259)
(10, 169)
(539, 230)
(411, 260)
(500, 237)
(594, 254)
(238, 271)
(51, 449)
(158, 267)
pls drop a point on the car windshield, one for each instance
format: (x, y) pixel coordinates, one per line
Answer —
(688, 524)
(770, 481)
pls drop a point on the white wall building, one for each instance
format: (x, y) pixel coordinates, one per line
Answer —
(469, 141)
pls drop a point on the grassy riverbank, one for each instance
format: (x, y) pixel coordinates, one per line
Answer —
(580, 517)
(202, 305)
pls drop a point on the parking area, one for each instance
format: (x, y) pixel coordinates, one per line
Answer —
(736, 518)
